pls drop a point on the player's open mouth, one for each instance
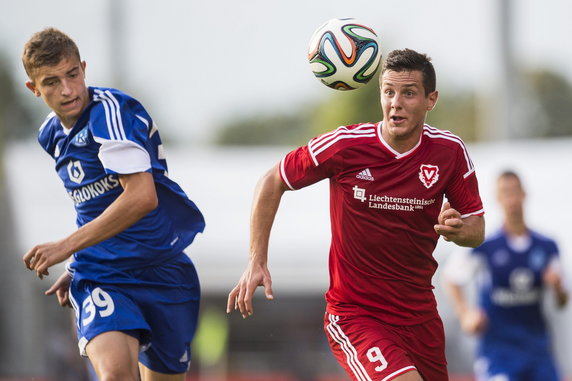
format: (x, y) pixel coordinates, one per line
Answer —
(397, 119)
(69, 103)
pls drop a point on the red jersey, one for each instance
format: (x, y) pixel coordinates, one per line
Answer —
(383, 206)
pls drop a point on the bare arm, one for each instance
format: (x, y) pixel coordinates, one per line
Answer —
(468, 231)
(553, 279)
(455, 291)
(267, 196)
(138, 198)
(61, 288)
(472, 320)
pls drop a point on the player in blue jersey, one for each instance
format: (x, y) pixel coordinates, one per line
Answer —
(134, 291)
(516, 265)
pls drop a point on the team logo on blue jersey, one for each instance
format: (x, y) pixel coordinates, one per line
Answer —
(536, 259)
(500, 258)
(521, 279)
(80, 139)
(75, 171)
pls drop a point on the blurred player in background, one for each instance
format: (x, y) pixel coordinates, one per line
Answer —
(135, 292)
(516, 264)
(387, 185)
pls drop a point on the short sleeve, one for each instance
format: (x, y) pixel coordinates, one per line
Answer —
(463, 190)
(298, 170)
(555, 263)
(461, 266)
(123, 157)
(120, 125)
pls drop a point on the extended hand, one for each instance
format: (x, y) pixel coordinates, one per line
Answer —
(41, 257)
(473, 321)
(240, 297)
(61, 288)
(449, 223)
(553, 279)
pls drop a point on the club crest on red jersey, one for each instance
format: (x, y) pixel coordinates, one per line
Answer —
(428, 174)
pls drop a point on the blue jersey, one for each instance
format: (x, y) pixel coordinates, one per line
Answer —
(511, 293)
(115, 135)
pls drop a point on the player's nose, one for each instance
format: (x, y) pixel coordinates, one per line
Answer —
(396, 101)
(66, 88)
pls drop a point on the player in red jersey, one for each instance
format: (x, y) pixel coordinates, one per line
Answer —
(387, 186)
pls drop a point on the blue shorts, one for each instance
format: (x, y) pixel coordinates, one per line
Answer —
(158, 305)
(515, 367)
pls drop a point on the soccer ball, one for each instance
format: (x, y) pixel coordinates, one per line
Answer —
(344, 53)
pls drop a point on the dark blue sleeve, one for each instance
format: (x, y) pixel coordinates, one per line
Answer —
(121, 125)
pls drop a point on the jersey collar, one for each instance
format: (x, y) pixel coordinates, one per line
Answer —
(396, 154)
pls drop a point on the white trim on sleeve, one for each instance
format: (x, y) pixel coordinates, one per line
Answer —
(123, 156)
(284, 177)
(461, 266)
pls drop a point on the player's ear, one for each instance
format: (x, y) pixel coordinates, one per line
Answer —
(432, 100)
(83, 65)
(30, 85)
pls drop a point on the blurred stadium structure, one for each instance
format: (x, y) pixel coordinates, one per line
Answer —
(284, 340)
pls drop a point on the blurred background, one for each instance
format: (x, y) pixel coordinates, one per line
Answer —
(229, 85)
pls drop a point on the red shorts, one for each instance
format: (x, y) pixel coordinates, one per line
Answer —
(370, 350)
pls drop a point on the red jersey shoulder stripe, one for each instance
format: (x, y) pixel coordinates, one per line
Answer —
(434, 133)
(328, 140)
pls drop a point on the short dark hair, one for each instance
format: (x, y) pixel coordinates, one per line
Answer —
(410, 60)
(47, 48)
(510, 174)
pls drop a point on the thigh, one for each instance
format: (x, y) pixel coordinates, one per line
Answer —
(114, 355)
(426, 345)
(366, 349)
(101, 308)
(171, 309)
